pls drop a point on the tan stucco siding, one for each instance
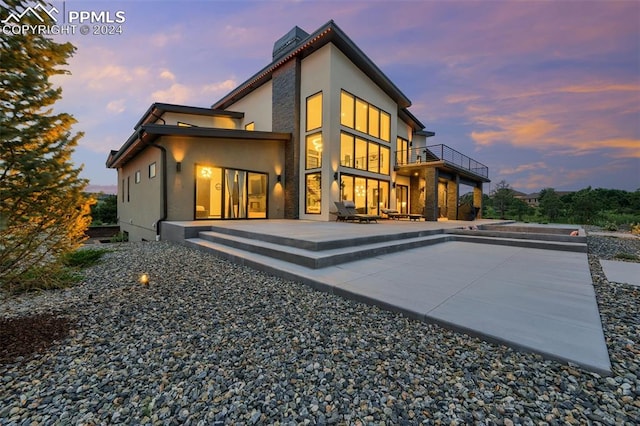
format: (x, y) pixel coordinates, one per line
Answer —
(141, 207)
(316, 77)
(266, 156)
(257, 108)
(403, 130)
(330, 71)
(219, 122)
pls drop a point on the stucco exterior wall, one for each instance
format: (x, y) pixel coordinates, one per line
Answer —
(257, 107)
(316, 77)
(330, 71)
(266, 156)
(139, 204)
(403, 130)
(221, 122)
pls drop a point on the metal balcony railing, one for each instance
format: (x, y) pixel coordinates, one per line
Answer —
(441, 153)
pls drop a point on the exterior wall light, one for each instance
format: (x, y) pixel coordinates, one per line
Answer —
(179, 166)
(335, 176)
(393, 184)
(279, 178)
(144, 279)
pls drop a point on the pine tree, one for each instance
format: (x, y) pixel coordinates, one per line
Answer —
(43, 209)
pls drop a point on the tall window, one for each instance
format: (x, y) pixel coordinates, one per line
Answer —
(314, 111)
(346, 150)
(347, 103)
(314, 151)
(385, 126)
(374, 121)
(361, 115)
(384, 160)
(402, 155)
(364, 117)
(313, 191)
(374, 157)
(313, 142)
(363, 154)
(369, 195)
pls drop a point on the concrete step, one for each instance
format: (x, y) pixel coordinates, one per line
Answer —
(525, 241)
(329, 244)
(316, 259)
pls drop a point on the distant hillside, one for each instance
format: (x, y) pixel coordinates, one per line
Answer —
(106, 189)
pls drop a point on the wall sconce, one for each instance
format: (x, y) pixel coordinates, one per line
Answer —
(179, 166)
(335, 176)
(144, 279)
(279, 178)
(393, 184)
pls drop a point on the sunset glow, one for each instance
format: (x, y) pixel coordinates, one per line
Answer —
(543, 93)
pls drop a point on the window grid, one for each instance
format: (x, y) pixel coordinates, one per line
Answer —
(363, 154)
(358, 114)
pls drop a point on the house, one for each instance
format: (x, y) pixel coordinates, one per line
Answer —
(320, 123)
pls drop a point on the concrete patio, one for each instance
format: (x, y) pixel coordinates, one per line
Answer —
(532, 293)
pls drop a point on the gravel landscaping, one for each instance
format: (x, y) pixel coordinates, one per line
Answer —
(211, 342)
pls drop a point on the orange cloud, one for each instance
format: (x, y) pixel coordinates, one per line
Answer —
(523, 168)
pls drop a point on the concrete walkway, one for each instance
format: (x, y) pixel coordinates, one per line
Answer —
(621, 272)
(531, 299)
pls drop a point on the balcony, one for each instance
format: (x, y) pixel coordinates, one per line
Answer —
(441, 154)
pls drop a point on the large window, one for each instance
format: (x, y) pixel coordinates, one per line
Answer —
(230, 194)
(369, 195)
(364, 117)
(346, 109)
(361, 115)
(402, 155)
(314, 111)
(314, 151)
(313, 193)
(346, 150)
(313, 142)
(362, 154)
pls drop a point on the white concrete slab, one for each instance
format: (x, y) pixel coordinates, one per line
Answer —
(621, 272)
(539, 300)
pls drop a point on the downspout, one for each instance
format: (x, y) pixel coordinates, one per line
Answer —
(163, 151)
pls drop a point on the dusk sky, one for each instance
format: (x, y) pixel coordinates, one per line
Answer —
(545, 93)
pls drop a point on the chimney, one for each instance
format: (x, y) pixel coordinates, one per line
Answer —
(288, 42)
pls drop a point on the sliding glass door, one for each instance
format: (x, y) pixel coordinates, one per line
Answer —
(230, 193)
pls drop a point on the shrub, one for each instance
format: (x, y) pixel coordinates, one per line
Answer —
(610, 226)
(120, 237)
(57, 275)
(83, 258)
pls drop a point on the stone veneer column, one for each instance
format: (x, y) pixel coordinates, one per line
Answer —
(286, 119)
(431, 193)
(477, 199)
(452, 198)
(416, 197)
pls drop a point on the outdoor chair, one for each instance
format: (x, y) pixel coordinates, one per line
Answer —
(394, 214)
(362, 217)
(347, 212)
(342, 214)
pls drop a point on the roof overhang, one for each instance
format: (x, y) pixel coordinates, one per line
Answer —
(328, 33)
(156, 110)
(467, 176)
(148, 133)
